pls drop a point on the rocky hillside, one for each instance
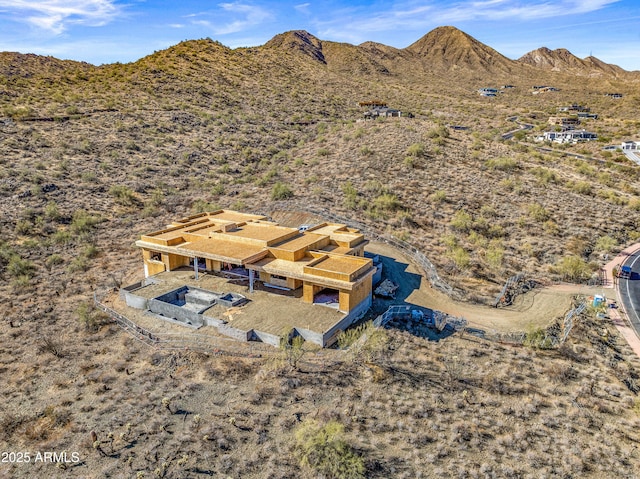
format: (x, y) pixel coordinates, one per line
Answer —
(92, 157)
(562, 60)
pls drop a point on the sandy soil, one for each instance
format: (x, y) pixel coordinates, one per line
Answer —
(534, 309)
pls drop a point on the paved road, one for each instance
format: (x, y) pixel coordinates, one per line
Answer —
(521, 126)
(632, 155)
(630, 291)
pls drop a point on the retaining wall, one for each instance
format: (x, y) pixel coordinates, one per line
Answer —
(175, 312)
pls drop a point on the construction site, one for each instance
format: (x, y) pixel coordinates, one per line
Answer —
(219, 269)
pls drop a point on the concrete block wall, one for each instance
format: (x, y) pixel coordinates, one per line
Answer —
(175, 312)
(314, 337)
(267, 338)
(356, 313)
(234, 333)
(133, 300)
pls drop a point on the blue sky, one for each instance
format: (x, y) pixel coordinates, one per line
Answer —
(106, 31)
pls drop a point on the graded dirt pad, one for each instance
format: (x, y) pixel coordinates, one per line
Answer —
(538, 308)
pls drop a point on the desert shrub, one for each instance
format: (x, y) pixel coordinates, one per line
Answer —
(281, 191)
(538, 212)
(606, 243)
(502, 164)
(83, 222)
(460, 257)
(416, 150)
(494, 255)
(24, 227)
(123, 195)
(573, 268)
(366, 151)
(538, 339)
(90, 317)
(546, 175)
(438, 196)
(387, 202)
(325, 450)
(78, 264)
(350, 195)
(202, 206)
(461, 221)
(51, 211)
(292, 348)
(582, 187)
(53, 260)
(62, 237)
(18, 267)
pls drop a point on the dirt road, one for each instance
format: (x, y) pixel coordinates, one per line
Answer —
(534, 309)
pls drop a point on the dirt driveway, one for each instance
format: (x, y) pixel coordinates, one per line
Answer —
(534, 309)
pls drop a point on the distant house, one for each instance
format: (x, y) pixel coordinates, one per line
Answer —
(373, 103)
(504, 87)
(488, 91)
(630, 145)
(543, 89)
(568, 136)
(382, 112)
(587, 116)
(574, 107)
(564, 120)
(614, 95)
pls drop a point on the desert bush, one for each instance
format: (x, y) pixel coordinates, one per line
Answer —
(83, 222)
(53, 260)
(202, 206)
(350, 195)
(281, 191)
(502, 164)
(19, 267)
(324, 450)
(494, 255)
(123, 195)
(416, 150)
(538, 212)
(545, 175)
(573, 268)
(461, 221)
(292, 348)
(438, 196)
(366, 151)
(538, 339)
(51, 211)
(460, 257)
(582, 187)
(606, 243)
(386, 202)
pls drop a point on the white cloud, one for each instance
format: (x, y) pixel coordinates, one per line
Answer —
(246, 16)
(410, 14)
(56, 15)
(302, 7)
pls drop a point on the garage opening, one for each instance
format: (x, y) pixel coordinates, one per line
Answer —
(327, 297)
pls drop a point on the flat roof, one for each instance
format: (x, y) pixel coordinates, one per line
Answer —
(262, 232)
(337, 232)
(340, 264)
(299, 242)
(222, 250)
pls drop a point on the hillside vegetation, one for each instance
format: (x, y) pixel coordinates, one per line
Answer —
(91, 157)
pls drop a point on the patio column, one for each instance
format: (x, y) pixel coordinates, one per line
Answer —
(195, 267)
(252, 275)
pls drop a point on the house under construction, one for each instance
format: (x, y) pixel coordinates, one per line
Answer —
(323, 264)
